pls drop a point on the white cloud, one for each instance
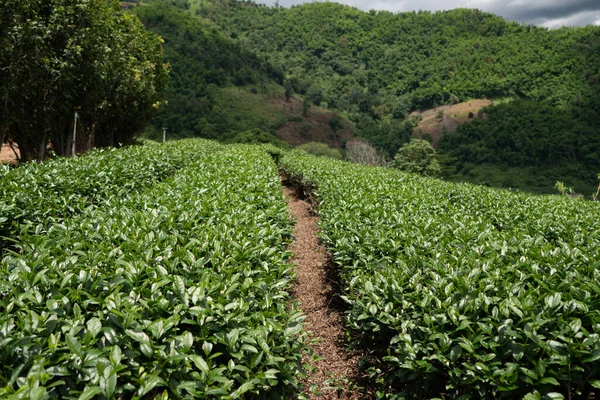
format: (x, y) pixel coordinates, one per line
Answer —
(550, 13)
(579, 19)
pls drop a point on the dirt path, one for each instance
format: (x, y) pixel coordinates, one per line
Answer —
(316, 293)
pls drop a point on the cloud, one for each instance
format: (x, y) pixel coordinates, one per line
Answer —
(579, 19)
(549, 13)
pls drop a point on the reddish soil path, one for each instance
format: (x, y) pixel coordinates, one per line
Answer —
(316, 293)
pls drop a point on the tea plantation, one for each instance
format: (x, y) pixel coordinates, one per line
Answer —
(462, 291)
(161, 271)
(169, 281)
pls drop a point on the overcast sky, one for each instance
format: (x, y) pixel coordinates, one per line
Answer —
(549, 13)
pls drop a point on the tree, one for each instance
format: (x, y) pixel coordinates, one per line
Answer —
(289, 89)
(315, 94)
(58, 55)
(361, 152)
(335, 123)
(418, 156)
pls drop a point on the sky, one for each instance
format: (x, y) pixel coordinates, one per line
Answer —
(549, 13)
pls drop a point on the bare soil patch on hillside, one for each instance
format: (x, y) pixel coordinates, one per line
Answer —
(314, 127)
(316, 291)
(454, 116)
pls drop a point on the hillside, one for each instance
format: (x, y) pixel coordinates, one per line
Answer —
(435, 122)
(219, 88)
(523, 144)
(372, 68)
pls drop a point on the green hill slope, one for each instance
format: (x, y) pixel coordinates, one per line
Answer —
(375, 68)
(219, 87)
(527, 145)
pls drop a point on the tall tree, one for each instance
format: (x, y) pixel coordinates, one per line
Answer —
(60, 54)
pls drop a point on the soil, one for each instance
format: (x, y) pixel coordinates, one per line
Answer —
(454, 116)
(313, 127)
(7, 154)
(316, 291)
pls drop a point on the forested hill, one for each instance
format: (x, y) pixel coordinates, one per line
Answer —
(377, 67)
(201, 59)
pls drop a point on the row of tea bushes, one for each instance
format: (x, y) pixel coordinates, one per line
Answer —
(48, 192)
(462, 291)
(178, 290)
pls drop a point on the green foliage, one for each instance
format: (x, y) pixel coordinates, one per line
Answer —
(203, 62)
(525, 133)
(305, 107)
(372, 68)
(58, 189)
(179, 288)
(335, 123)
(321, 150)
(57, 55)
(538, 180)
(528, 134)
(254, 136)
(563, 189)
(595, 194)
(418, 156)
(460, 291)
(365, 63)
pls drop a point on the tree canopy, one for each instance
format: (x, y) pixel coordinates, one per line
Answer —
(58, 56)
(418, 156)
(378, 66)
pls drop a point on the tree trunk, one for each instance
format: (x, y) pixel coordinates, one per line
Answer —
(59, 137)
(17, 154)
(90, 133)
(41, 150)
(25, 150)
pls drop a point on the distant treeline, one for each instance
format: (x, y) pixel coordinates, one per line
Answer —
(201, 59)
(379, 66)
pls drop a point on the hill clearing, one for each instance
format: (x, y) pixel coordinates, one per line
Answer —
(453, 116)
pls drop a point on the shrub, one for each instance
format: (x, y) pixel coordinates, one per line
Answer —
(321, 150)
(458, 291)
(254, 136)
(307, 126)
(361, 152)
(418, 156)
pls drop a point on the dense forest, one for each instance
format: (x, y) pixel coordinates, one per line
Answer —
(201, 59)
(375, 68)
(552, 143)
